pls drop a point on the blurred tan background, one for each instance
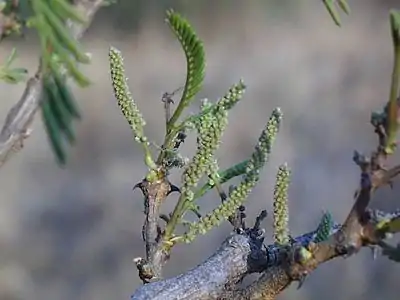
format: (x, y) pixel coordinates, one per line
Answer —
(72, 234)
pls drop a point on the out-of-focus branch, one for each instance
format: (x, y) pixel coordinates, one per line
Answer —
(16, 127)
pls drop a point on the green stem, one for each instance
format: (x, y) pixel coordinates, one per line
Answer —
(177, 113)
(167, 144)
(148, 157)
(175, 218)
(224, 176)
(173, 130)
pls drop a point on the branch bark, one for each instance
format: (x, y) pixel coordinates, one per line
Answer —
(16, 127)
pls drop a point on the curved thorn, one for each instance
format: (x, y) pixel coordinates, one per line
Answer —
(164, 217)
(301, 280)
(174, 188)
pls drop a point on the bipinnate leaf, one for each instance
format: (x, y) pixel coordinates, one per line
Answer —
(195, 60)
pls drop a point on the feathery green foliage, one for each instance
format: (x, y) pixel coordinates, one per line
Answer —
(281, 207)
(127, 104)
(330, 6)
(240, 193)
(58, 109)
(324, 228)
(9, 74)
(61, 54)
(195, 60)
(59, 48)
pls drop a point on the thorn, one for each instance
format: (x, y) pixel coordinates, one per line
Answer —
(263, 214)
(138, 185)
(301, 280)
(174, 188)
(164, 217)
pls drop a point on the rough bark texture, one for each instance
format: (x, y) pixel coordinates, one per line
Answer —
(210, 279)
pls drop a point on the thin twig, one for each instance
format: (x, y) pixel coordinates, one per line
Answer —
(155, 192)
(167, 100)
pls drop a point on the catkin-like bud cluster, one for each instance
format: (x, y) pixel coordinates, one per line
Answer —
(125, 101)
(240, 193)
(210, 127)
(213, 172)
(265, 142)
(234, 94)
(281, 207)
(324, 229)
(207, 142)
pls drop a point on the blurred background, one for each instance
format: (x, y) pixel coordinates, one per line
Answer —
(72, 233)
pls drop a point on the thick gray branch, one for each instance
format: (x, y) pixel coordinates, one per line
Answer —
(211, 279)
(16, 127)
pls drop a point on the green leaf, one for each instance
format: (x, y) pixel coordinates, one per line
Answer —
(344, 6)
(61, 114)
(66, 97)
(64, 10)
(52, 129)
(331, 7)
(12, 75)
(195, 60)
(62, 36)
(56, 41)
(392, 107)
(395, 26)
(58, 113)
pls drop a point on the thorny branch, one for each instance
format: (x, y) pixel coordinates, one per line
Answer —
(16, 127)
(243, 252)
(155, 192)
